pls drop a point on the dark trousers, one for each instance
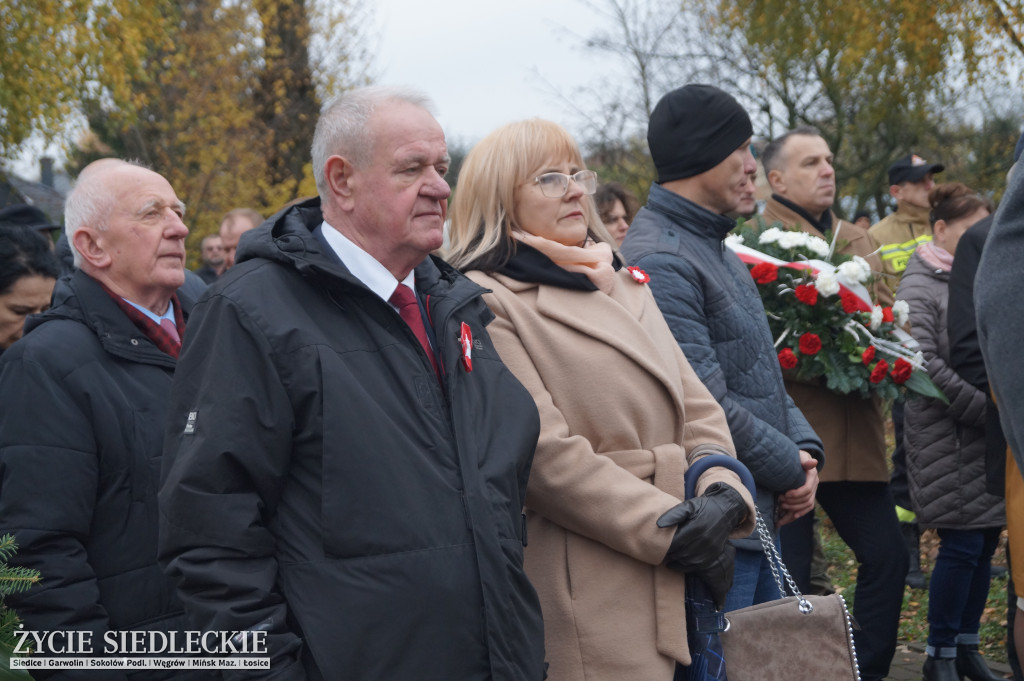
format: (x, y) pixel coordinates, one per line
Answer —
(959, 587)
(899, 485)
(863, 514)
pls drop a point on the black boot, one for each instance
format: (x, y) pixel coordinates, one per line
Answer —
(939, 669)
(970, 664)
(912, 540)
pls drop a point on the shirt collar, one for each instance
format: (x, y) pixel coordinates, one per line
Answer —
(364, 266)
(152, 315)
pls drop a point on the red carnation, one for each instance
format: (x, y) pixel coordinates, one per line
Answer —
(887, 314)
(851, 303)
(878, 373)
(901, 371)
(787, 359)
(764, 273)
(868, 356)
(810, 344)
(806, 294)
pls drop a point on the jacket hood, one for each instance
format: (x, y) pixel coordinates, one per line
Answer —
(74, 297)
(288, 237)
(80, 298)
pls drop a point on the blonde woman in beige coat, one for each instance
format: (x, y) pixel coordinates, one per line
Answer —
(622, 413)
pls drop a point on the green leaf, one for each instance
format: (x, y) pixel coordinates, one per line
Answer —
(920, 383)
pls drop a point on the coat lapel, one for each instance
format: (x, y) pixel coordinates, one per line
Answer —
(616, 320)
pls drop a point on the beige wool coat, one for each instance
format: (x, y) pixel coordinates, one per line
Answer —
(852, 428)
(621, 412)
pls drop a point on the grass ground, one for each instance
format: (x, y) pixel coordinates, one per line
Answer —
(914, 619)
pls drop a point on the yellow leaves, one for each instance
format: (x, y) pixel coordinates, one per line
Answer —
(52, 51)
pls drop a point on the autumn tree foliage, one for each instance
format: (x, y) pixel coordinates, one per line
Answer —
(219, 96)
(53, 51)
(878, 78)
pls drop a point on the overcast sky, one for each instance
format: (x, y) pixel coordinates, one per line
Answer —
(483, 62)
(486, 62)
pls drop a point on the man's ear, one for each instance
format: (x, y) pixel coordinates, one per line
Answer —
(339, 174)
(90, 244)
(895, 190)
(775, 181)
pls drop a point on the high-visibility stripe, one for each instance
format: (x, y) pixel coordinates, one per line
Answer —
(897, 255)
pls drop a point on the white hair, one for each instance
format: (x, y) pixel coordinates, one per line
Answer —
(90, 201)
(341, 128)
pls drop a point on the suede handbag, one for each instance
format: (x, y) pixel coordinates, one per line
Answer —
(796, 638)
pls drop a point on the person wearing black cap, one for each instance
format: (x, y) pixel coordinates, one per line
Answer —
(854, 489)
(898, 235)
(902, 231)
(24, 215)
(699, 138)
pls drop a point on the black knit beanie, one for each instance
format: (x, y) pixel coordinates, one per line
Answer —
(693, 129)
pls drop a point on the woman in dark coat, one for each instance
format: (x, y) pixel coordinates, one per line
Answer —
(946, 453)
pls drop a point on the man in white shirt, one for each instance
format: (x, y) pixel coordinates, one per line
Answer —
(347, 455)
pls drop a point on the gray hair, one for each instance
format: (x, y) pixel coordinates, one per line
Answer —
(771, 157)
(341, 129)
(90, 202)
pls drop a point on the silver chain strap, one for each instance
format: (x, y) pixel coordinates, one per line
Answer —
(776, 564)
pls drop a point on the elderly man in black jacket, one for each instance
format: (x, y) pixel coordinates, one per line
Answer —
(347, 455)
(83, 398)
(700, 142)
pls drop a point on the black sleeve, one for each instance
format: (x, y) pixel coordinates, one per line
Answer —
(964, 349)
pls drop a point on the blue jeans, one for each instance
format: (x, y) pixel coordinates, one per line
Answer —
(959, 588)
(752, 581)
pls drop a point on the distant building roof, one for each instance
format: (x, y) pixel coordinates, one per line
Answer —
(50, 200)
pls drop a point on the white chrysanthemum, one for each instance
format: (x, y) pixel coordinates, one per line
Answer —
(732, 240)
(852, 272)
(789, 239)
(817, 245)
(826, 283)
(901, 312)
(770, 235)
(864, 266)
(876, 317)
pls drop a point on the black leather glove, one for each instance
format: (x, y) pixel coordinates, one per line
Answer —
(704, 525)
(717, 577)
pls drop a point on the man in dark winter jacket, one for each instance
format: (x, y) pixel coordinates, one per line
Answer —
(83, 397)
(347, 455)
(699, 138)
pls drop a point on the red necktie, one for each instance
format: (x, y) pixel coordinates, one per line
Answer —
(405, 300)
(172, 331)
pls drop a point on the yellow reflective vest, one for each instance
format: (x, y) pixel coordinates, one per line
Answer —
(898, 236)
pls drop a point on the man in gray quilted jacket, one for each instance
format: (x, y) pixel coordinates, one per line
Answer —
(699, 138)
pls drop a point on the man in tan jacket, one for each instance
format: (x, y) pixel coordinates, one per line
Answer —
(854, 487)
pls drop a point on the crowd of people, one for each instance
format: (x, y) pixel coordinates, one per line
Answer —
(397, 443)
